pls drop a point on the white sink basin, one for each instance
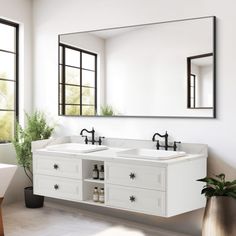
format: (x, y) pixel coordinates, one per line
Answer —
(142, 153)
(6, 174)
(76, 148)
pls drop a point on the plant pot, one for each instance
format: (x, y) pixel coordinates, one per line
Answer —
(32, 200)
(219, 217)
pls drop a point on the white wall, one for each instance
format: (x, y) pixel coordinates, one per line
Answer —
(59, 16)
(206, 86)
(20, 12)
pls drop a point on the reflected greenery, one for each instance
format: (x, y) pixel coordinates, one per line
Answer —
(6, 117)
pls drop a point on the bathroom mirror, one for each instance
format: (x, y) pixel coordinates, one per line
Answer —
(164, 69)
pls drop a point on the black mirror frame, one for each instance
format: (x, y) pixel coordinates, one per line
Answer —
(214, 113)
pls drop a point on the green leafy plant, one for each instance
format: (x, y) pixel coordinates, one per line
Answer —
(36, 129)
(218, 186)
(107, 110)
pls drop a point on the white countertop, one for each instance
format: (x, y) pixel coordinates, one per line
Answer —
(111, 154)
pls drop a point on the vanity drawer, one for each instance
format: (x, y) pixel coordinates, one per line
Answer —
(58, 187)
(58, 166)
(141, 200)
(149, 177)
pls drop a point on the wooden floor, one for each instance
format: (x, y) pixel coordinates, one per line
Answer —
(53, 221)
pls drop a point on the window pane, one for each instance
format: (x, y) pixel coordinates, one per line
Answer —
(72, 57)
(6, 125)
(6, 94)
(192, 80)
(72, 110)
(88, 78)
(60, 110)
(192, 102)
(60, 74)
(72, 94)
(7, 39)
(72, 75)
(88, 110)
(60, 54)
(7, 65)
(192, 91)
(88, 96)
(88, 61)
(60, 94)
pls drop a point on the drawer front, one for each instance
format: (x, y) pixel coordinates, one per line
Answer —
(141, 200)
(58, 187)
(58, 166)
(149, 177)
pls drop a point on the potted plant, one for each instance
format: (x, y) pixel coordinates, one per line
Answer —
(220, 212)
(107, 110)
(36, 129)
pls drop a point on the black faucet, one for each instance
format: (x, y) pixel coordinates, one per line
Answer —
(90, 132)
(92, 140)
(162, 136)
(166, 145)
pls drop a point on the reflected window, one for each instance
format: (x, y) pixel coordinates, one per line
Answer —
(8, 79)
(200, 81)
(193, 90)
(78, 81)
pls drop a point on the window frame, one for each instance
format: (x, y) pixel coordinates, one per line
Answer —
(193, 86)
(62, 80)
(16, 74)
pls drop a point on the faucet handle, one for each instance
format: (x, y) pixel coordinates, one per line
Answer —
(175, 145)
(86, 138)
(100, 140)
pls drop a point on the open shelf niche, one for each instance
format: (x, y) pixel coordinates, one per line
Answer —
(89, 183)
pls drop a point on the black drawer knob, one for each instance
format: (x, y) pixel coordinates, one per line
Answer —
(55, 166)
(56, 186)
(132, 198)
(132, 175)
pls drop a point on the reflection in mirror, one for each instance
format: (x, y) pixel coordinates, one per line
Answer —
(139, 70)
(200, 81)
(78, 81)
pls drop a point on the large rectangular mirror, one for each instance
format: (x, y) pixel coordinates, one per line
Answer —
(162, 69)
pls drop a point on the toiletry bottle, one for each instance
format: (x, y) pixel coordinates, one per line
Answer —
(95, 172)
(95, 194)
(101, 195)
(101, 172)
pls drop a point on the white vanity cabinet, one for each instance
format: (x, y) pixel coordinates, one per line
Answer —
(58, 177)
(161, 188)
(155, 188)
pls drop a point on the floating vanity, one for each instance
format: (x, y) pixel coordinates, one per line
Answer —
(138, 178)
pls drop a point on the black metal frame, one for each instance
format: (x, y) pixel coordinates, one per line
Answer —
(154, 23)
(63, 83)
(16, 81)
(189, 74)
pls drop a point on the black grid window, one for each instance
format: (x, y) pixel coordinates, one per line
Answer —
(77, 81)
(9, 54)
(192, 91)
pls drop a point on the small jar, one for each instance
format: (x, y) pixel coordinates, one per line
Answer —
(95, 195)
(101, 172)
(101, 195)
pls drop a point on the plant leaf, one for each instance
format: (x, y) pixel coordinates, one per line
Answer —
(219, 187)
